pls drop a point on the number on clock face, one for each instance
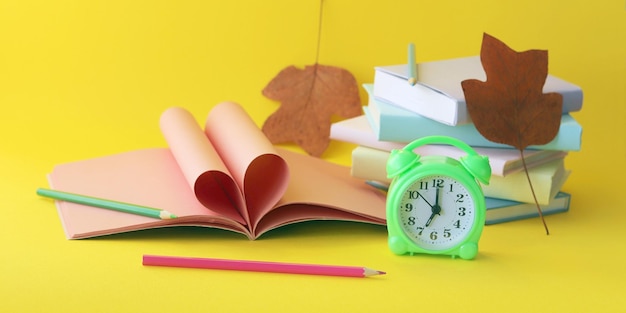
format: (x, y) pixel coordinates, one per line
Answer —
(436, 212)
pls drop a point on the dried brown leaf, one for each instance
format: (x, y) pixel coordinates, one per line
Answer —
(510, 106)
(309, 97)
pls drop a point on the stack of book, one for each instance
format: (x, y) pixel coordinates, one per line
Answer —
(398, 113)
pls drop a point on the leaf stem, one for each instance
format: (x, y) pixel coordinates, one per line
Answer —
(532, 190)
(319, 32)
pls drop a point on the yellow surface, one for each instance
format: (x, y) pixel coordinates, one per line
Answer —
(81, 79)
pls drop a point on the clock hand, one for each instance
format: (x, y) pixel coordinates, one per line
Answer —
(430, 205)
(430, 219)
(436, 209)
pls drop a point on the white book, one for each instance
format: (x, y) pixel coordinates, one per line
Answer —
(438, 94)
(503, 161)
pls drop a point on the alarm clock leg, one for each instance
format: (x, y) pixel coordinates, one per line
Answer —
(397, 246)
(468, 251)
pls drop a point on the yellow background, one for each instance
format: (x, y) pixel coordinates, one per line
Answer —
(81, 79)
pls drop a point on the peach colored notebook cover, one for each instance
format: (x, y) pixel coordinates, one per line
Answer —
(226, 176)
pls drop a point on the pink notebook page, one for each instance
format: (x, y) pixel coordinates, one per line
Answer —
(236, 154)
(230, 178)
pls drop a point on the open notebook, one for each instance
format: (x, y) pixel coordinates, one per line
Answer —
(226, 176)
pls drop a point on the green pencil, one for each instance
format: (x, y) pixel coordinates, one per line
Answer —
(412, 66)
(106, 204)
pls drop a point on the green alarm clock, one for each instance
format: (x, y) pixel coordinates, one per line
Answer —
(435, 204)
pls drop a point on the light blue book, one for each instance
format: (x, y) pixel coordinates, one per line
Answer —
(392, 123)
(500, 210)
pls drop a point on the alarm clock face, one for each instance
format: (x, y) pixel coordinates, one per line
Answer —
(436, 212)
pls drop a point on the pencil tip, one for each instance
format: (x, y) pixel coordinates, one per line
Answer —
(165, 215)
(371, 272)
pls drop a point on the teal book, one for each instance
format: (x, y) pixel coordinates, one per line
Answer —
(438, 94)
(500, 210)
(503, 210)
(392, 123)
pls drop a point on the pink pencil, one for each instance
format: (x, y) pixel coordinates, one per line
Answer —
(259, 266)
